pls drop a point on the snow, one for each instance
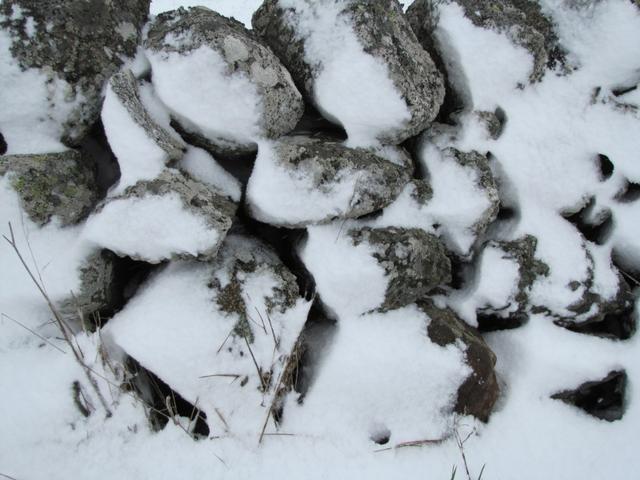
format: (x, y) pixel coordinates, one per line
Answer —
(203, 167)
(198, 91)
(153, 228)
(139, 157)
(366, 110)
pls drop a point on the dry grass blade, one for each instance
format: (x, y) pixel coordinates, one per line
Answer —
(273, 333)
(227, 375)
(219, 414)
(4, 475)
(255, 362)
(413, 443)
(33, 332)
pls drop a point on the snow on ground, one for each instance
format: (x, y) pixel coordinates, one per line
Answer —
(203, 167)
(546, 155)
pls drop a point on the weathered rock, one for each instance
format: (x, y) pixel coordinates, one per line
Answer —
(185, 33)
(383, 32)
(415, 262)
(603, 398)
(493, 121)
(478, 394)
(77, 45)
(521, 20)
(125, 86)
(170, 217)
(55, 184)
(309, 180)
(513, 311)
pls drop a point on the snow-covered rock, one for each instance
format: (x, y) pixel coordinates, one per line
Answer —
(348, 54)
(300, 180)
(54, 184)
(222, 334)
(55, 58)
(170, 217)
(220, 84)
(142, 145)
(523, 21)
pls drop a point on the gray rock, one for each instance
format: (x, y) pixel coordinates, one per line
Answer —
(382, 30)
(282, 104)
(125, 87)
(521, 20)
(82, 42)
(479, 392)
(415, 262)
(493, 121)
(319, 166)
(54, 184)
(197, 198)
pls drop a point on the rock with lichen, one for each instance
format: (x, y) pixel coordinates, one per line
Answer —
(61, 185)
(203, 42)
(380, 30)
(66, 52)
(304, 180)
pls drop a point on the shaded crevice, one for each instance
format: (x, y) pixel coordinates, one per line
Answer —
(604, 399)
(629, 194)
(162, 401)
(3, 145)
(618, 324)
(95, 145)
(605, 166)
(314, 124)
(596, 230)
(492, 323)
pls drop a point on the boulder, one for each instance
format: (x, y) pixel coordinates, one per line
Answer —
(414, 261)
(170, 217)
(66, 52)
(521, 20)
(303, 180)
(221, 84)
(378, 56)
(479, 392)
(55, 184)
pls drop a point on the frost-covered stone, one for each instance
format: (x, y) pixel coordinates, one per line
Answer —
(348, 54)
(66, 52)
(522, 20)
(220, 83)
(457, 201)
(415, 262)
(302, 180)
(170, 217)
(479, 392)
(222, 334)
(55, 184)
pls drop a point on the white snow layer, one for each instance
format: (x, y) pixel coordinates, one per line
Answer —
(151, 228)
(203, 167)
(366, 110)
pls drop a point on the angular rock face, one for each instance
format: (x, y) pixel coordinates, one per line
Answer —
(171, 217)
(522, 20)
(309, 180)
(55, 184)
(258, 91)
(378, 29)
(77, 45)
(125, 86)
(478, 394)
(603, 398)
(414, 261)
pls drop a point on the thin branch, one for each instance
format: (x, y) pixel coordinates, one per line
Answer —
(33, 332)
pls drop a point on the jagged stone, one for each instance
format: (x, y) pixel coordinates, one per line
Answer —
(382, 29)
(80, 42)
(54, 184)
(415, 262)
(478, 394)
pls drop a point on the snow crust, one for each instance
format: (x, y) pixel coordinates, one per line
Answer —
(365, 109)
(152, 228)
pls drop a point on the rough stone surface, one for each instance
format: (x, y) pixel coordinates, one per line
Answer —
(521, 20)
(604, 399)
(415, 262)
(521, 251)
(328, 162)
(492, 122)
(383, 31)
(479, 392)
(82, 42)
(281, 103)
(125, 87)
(198, 198)
(61, 184)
